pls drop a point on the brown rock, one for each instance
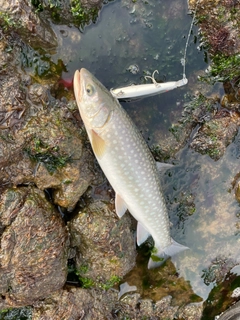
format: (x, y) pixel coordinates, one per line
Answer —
(105, 244)
(76, 304)
(33, 247)
(215, 135)
(27, 23)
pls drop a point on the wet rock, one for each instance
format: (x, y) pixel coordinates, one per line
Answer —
(75, 304)
(219, 24)
(48, 151)
(105, 244)
(195, 112)
(40, 140)
(91, 3)
(219, 28)
(164, 309)
(230, 100)
(215, 135)
(192, 311)
(237, 191)
(218, 269)
(26, 23)
(133, 307)
(13, 97)
(58, 156)
(38, 93)
(33, 247)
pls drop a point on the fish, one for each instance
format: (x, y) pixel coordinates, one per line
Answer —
(148, 89)
(128, 164)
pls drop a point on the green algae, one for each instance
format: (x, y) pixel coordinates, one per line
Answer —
(7, 22)
(83, 16)
(112, 281)
(54, 7)
(16, 314)
(39, 63)
(50, 157)
(223, 68)
(87, 282)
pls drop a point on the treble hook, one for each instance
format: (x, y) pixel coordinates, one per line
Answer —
(153, 79)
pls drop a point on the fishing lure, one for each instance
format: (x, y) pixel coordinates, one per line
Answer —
(154, 88)
(146, 90)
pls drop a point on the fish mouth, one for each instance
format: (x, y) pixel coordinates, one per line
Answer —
(80, 78)
(77, 85)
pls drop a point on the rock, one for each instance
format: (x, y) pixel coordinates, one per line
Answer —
(91, 3)
(33, 247)
(219, 31)
(76, 304)
(105, 244)
(38, 93)
(42, 147)
(192, 311)
(237, 191)
(215, 135)
(27, 23)
(59, 159)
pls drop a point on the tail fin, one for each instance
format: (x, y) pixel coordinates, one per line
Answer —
(159, 255)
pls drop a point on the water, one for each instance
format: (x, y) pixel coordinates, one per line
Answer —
(198, 190)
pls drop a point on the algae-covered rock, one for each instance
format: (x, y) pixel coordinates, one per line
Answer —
(215, 135)
(105, 244)
(91, 3)
(219, 28)
(75, 304)
(21, 16)
(33, 247)
(40, 141)
(192, 311)
(59, 159)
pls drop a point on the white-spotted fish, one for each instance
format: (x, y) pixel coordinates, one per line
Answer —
(127, 163)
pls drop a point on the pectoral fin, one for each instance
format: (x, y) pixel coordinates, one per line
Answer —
(142, 234)
(120, 205)
(98, 144)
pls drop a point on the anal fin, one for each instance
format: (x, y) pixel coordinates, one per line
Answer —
(120, 205)
(142, 234)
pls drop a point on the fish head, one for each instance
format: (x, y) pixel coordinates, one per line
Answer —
(94, 101)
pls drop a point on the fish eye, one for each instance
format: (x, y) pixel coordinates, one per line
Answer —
(90, 89)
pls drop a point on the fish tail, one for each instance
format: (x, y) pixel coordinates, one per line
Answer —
(160, 255)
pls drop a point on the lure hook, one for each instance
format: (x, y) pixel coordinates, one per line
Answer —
(153, 78)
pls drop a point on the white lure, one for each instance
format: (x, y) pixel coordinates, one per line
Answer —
(146, 90)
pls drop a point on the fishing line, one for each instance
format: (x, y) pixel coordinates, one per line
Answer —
(183, 60)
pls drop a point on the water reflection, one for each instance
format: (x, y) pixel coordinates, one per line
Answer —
(212, 230)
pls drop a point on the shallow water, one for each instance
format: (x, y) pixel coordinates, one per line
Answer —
(198, 190)
(153, 38)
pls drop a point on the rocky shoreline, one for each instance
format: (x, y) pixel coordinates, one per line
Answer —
(47, 165)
